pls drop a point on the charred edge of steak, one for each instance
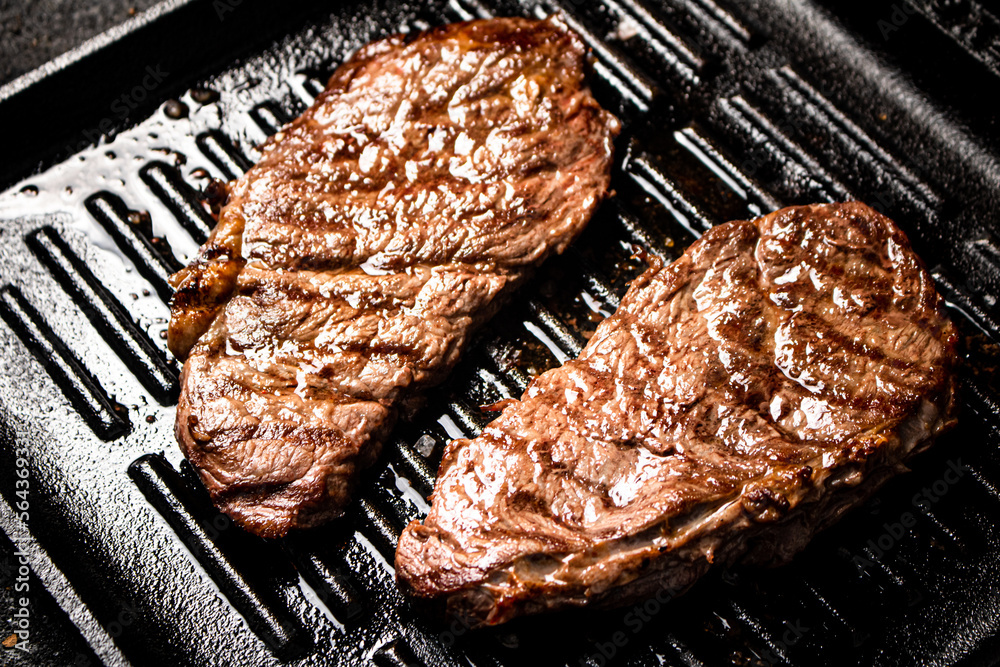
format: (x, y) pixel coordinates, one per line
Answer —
(759, 527)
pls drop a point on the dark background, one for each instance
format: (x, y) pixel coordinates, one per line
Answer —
(33, 32)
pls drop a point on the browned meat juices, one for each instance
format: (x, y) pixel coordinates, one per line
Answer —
(740, 400)
(351, 264)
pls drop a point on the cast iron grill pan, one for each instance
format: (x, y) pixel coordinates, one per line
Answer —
(729, 112)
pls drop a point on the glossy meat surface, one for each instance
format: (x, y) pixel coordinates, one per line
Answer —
(351, 264)
(738, 401)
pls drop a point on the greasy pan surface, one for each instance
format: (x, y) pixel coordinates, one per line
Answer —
(727, 113)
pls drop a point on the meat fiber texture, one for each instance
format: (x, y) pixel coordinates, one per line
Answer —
(350, 266)
(740, 400)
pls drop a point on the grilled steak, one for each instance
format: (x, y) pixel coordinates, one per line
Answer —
(351, 264)
(740, 400)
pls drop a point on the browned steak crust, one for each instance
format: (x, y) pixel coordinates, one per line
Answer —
(740, 400)
(380, 228)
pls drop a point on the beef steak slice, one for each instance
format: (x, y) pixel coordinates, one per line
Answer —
(380, 228)
(740, 400)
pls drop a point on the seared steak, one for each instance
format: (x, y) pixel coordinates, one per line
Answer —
(740, 400)
(351, 264)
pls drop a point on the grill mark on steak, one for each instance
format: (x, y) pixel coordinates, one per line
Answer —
(350, 266)
(739, 400)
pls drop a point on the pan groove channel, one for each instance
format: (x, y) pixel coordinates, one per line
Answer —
(134, 347)
(818, 121)
(108, 419)
(152, 263)
(631, 83)
(973, 27)
(331, 578)
(179, 197)
(767, 144)
(166, 491)
(396, 654)
(721, 21)
(668, 46)
(223, 154)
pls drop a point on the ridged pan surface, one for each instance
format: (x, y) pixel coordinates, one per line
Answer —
(728, 110)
